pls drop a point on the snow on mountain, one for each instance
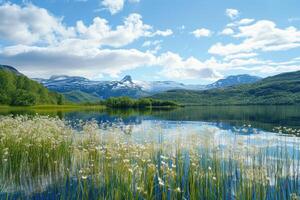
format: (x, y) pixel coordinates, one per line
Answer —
(101, 89)
(132, 88)
(233, 80)
(162, 86)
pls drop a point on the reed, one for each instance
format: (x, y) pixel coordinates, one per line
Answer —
(42, 157)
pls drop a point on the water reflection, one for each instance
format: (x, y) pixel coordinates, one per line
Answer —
(225, 117)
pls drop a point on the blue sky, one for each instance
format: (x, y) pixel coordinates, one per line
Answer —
(191, 41)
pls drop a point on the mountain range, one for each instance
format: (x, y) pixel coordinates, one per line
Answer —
(282, 89)
(17, 89)
(78, 89)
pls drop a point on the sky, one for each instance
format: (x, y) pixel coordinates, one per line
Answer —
(190, 41)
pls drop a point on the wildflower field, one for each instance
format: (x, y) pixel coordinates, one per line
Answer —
(44, 158)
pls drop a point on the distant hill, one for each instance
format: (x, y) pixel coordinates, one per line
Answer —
(9, 68)
(80, 89)
(233, 80)
(280, 89)
(17, 89)
(78, 97)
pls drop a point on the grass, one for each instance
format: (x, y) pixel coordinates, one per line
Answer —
(42, 157)
(66, 107)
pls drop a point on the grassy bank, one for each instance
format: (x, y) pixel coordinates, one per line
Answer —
(54, 107)
(42, 157)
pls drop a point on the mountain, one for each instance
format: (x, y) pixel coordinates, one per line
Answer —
(162, 86)
(105, 89)
(99, 89)
(71, 85)
(280, 89)
(77, 97)
(18, 90)
(234, 80)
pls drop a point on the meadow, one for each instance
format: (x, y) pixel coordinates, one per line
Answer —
(44, 158)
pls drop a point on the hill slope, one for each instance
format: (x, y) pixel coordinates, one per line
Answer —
(17, 89)
(234, 80)
(78, 96)
(279, 89)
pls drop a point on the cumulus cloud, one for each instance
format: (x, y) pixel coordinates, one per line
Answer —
(241, 22)
(151, 43)
(174, 66)
(115, 6)
(31, 24)
(164, 33)
(100, 32)
(227, 31)
(232, 13)
(42, 45)
(45, 61)
(264, 35)
(202, 32)
(240, 55)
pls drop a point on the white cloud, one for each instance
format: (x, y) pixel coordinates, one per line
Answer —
(232, 13)
(92, 62)
(154, 46)
(45, 46)
(240, 55)
(175, 66)
(263, 36)
(101, 33)
(33, 25)
(164, 33)
(45, 61)
(133, 28)
(30, 24)
(227, 31)
(151, 43)
(241, 22)
(114, 6)
(202, 32)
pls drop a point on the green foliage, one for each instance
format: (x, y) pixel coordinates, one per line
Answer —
(79, 96)
(23, 98)
(18, 90)
(283, 89)
(114, 165)
(126, 102)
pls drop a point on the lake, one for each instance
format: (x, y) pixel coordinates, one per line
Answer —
(251, 132)
(225, 117)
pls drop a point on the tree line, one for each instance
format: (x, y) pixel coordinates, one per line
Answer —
(126, 102)
(18, 90)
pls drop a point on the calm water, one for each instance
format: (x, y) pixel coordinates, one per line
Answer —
(252, 124)
(249, 126)
(264, 118)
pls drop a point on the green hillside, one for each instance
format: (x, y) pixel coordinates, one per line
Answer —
(275, 90)
(18, 90)
(79, 97)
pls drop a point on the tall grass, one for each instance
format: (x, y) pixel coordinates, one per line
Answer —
(43, 158)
